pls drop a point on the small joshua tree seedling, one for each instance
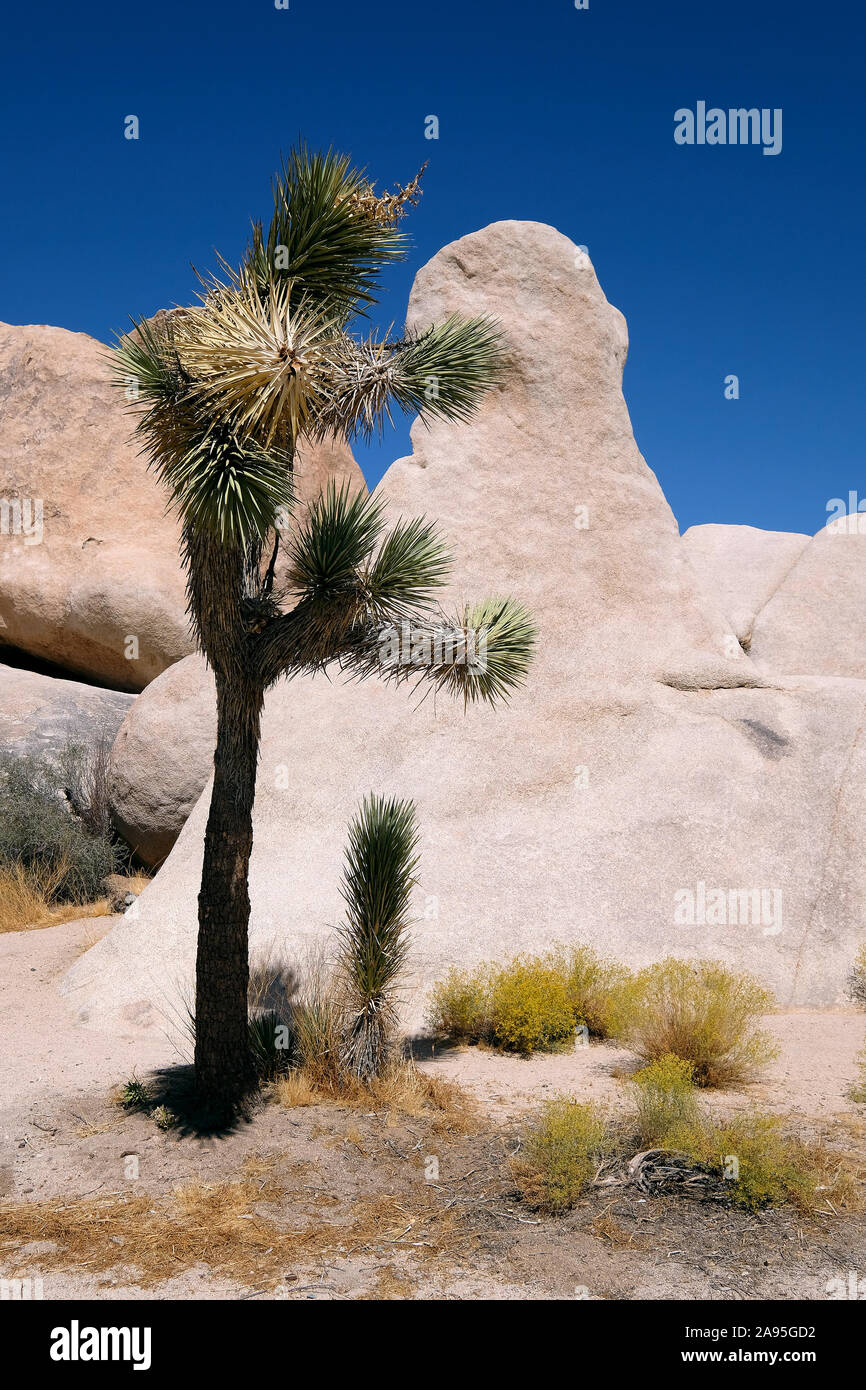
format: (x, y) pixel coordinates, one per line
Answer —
(379, 874)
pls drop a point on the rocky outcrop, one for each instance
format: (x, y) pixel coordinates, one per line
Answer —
(743, 567)
(815, 621)
(648, 782)
(96, 586)
(89, 572)
(163, 757)
(797, 603)
(40, 715)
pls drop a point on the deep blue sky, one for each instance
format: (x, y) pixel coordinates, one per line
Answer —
(722, 259)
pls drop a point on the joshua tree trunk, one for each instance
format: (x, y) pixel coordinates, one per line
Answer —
(223, 1067)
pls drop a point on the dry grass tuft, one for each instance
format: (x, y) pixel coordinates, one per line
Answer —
(390, 1284)
(296, 1089)
(221, 1225)
(234, 1228)
(606, 1227)
(26, 899)
(401, 1090)
(137, 882)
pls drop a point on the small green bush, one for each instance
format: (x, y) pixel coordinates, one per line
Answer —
(704, 1013)
(163, 1118)
(561, 1154)
(134, 1095)
(271, 998)
(530, 1007)
(39, 831)
(858, 1090)
(532, 1003)
(857, 980)
(598, 989)
(460, 1005)
(273, 1045)
(763, 1165)
(665, 1100)
(755, 1160)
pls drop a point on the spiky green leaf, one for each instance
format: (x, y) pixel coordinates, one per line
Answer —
(379, 874)
(333, 545)
(412, 563)
(325, 234)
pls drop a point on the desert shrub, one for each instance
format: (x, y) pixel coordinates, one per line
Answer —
(532, 1003)
(598, 989)
(706, 1014)
(560, 1154)
(460, 1005)
(134, 1095)
(756, 1163)
(858, 1090)
(762, 1164)
(85, 773)
(857, 978)
(530, 1007)
(272, 1026)
(665, 1100)
(40, 833)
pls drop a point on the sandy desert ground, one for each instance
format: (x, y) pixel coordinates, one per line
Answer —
(342, 1203)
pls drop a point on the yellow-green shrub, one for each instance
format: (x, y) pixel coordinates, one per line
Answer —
(665, 1100)
(858, 1090)
(530, 1008)
(706, 1014)
(460, 1005)
(533, 1003)
(763, 1165)
(598, 989)
(560, 1155)
(857, 981)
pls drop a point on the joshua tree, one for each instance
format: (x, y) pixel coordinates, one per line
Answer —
(381, 859)
(227, 388)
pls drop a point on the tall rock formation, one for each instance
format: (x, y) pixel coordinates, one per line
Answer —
(648, 766)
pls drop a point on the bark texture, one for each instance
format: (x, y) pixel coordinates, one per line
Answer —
(223, 1067)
